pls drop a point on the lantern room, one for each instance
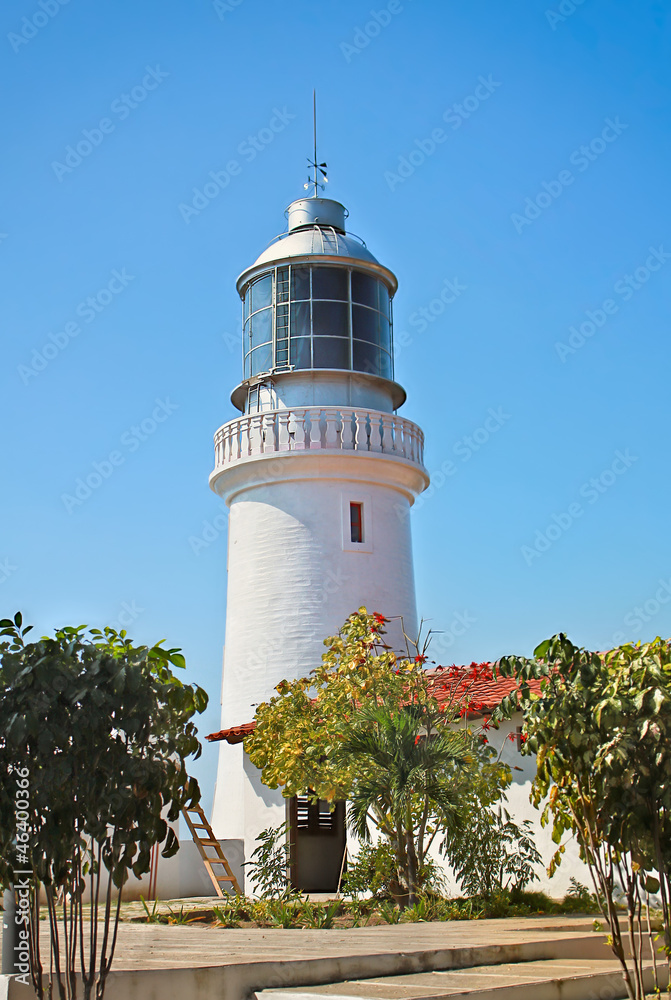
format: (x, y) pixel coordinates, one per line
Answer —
(316, 301)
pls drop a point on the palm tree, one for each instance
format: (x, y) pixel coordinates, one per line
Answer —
(404, 767)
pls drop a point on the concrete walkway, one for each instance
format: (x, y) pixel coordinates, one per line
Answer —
(527, 958)
(161, 946)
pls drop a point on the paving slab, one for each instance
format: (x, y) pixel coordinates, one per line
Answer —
(452, 983)
(161, 946)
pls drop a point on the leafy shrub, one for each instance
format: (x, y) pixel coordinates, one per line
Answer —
(491, 854)
(268, 866)
(320, 916)
(579, 899)
(285, 913)
(226, 916)
(374, 871)
(389, 912)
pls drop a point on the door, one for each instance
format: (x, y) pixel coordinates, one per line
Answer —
(317, 844)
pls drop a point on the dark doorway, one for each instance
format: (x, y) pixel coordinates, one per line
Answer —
(317, 844)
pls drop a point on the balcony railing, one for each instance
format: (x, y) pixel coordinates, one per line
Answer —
(316, 428)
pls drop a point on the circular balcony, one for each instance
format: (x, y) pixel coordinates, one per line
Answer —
(328, 432)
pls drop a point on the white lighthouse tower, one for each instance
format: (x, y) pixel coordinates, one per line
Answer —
(319, 474)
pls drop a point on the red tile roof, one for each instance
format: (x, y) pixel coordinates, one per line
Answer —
(474, 683)
(235, 734)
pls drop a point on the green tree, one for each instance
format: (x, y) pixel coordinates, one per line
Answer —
(600, 730)
(366, 725)
(94, 735)
(403, 763)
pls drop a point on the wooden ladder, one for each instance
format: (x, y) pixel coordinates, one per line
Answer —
(206, 840)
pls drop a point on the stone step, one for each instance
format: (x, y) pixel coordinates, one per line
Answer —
(552, 979)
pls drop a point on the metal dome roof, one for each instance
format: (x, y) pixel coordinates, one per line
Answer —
(318, 238)
(315, 240)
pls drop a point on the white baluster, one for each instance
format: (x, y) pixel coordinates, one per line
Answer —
(232, 442)
(243, 436)
(400, 437)
(315, 428)
(360, 431)
(255, 434)
(410, 431)
(268, 425)
(375, 432)
(387, 422)
(331, 438)
(413, 439)
(348, 429)
(297, 429)
(283, 430)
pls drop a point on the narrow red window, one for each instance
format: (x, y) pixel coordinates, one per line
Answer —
(356, 521)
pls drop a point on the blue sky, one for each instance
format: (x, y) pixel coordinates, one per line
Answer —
(515, 151)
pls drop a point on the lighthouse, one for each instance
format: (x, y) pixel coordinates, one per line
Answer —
(319, 473)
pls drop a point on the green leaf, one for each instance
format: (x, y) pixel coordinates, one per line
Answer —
(651, 884)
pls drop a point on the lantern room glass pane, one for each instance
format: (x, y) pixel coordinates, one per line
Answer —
(366, 357)
(300, 319)
(330, 319)
(331, 352)
(300, 283)
(262, 359)
(364, 289)
(385, 333)
(300, 352)
(261, 327)
(262, 292)
(365, 324)
(386, 366)
(385, 300)
(330, 283)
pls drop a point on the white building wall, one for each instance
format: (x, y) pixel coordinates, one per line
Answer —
(520, 808)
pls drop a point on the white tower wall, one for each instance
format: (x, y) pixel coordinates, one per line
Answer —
(296, 583)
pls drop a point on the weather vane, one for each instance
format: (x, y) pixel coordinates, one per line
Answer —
(319, 180)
